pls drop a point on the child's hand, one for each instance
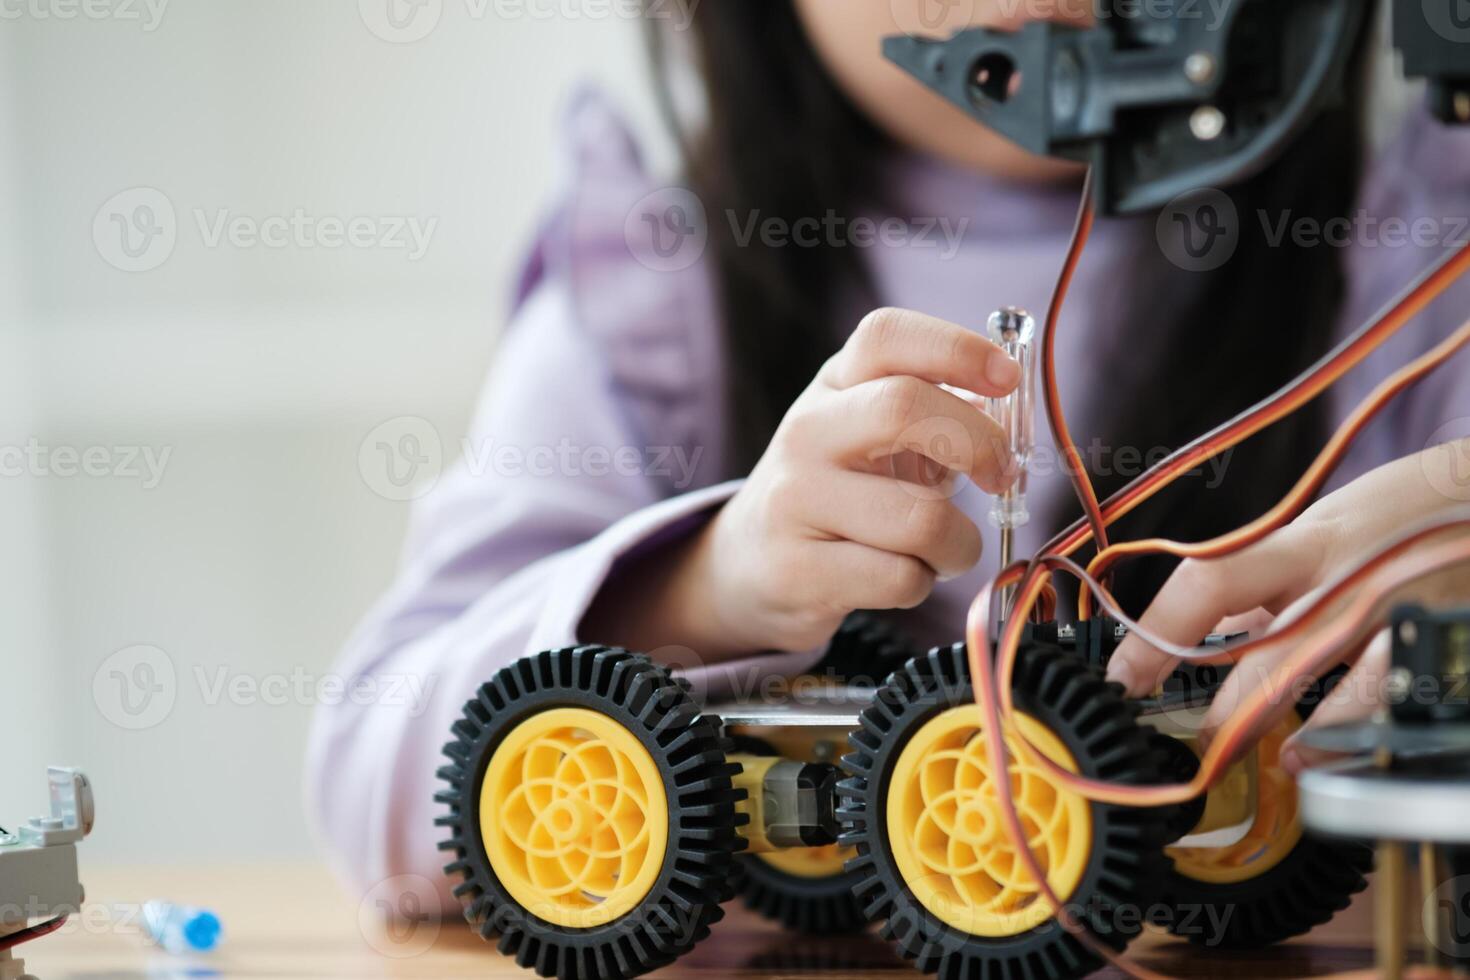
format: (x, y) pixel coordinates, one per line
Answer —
(836, 515)
(1282, 572)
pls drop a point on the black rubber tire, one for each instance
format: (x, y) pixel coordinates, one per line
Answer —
(865, 649)
(1304, 890)
(696, 874)
(814, 906)
(1307, 888)
(1126, 865)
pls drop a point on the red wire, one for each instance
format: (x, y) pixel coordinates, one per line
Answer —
(993, 678)
(1055, 416)
(1306, 488)
(1306, 386)
(32, 932)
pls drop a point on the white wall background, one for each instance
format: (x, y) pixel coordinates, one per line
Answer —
(258, 370)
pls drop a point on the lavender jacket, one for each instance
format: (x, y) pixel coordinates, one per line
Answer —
(610, 367)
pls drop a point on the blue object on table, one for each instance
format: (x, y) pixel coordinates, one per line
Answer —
(181, 928)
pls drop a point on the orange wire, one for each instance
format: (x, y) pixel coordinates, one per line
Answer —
(1055, 416)
(1239, 729)
(1313, 659)
(1304, 490)
(993, 691)
(1307, 386)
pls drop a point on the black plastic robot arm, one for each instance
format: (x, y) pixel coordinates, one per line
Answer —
(1166, 98)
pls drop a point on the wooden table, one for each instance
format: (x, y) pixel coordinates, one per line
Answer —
(283, 922)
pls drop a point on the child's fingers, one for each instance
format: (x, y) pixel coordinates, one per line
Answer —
(883, 514)
(1255, 623)
(847, 575)
(1354, 698)
(1201, 593)
(1254, 673)
(901, 342)
(893, 415)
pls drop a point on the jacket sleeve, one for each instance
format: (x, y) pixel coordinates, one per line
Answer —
(599, 436)
(504, 556)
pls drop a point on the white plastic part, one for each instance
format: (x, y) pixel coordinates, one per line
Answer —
(38, 863)
(72, 810)
(1014, 331)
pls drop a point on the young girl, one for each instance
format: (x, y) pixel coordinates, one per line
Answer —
(744, 409)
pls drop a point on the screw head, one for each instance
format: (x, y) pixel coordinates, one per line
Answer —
(1207, 123)
(1408, 632)
(1199, 68)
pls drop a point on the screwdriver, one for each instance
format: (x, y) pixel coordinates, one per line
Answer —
(1013, 330)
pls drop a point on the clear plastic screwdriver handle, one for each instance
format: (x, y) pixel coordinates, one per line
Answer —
(1014, 331)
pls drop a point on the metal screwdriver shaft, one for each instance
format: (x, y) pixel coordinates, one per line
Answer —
(1014, 331)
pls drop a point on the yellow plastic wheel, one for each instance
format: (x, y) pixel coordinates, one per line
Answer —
(936, 862)
(574, 817)
(1272, 836)
(946, 832)
(590, 815)
(1277, 881)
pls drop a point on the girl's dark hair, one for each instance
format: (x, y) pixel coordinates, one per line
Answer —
(782, 139)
